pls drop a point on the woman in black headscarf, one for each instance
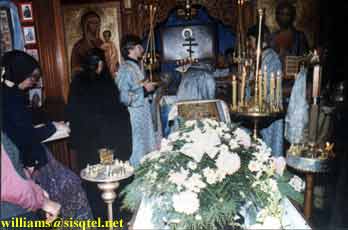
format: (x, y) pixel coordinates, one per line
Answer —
(20, 73)
(97, 119)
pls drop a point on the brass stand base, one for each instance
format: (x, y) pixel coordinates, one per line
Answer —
(108, 196)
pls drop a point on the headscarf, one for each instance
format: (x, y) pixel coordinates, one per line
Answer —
(17, 66)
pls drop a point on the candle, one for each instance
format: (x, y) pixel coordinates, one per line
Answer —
(243, 86)
(234, 93)
(271, 91)
(278, 90)
(265, 77)
(316, 81)
(260, 89)
(258, 48)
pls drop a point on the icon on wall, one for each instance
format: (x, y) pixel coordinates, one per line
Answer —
(35, 97)
(29, 35)
(26, 12)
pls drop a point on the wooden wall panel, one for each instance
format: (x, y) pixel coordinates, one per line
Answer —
(54, 69)
(52, 56)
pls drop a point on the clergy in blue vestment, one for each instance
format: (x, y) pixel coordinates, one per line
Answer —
(274, 134)
(197, 83)
(134, 93)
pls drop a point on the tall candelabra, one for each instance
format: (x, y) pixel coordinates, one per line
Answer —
(150, 58)
(240, 57)
(265, 100)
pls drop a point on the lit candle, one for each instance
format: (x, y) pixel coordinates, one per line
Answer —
(234, 92)
(271, 91)
(316, 81)
(278, 90)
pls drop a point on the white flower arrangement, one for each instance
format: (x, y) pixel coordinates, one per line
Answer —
(297, 183)
(186, 202)
(205, 173)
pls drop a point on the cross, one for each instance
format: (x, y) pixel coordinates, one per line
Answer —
(190, 44)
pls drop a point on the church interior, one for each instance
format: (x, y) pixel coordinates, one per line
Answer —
(173, 114)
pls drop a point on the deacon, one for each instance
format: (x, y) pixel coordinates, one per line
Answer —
(134, 90)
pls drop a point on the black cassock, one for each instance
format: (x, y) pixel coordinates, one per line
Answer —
(97, 120)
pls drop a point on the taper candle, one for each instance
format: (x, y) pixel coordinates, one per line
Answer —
(265, 78)
(271, 91)
(278, 90)
(242, 89)
(260, 89)
(316, 81)
(234, 92)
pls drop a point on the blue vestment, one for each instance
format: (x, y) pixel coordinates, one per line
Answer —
(274, 134)
(297, 116)
(129, 81)
(197, 84)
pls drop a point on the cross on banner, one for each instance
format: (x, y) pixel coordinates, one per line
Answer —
(190, 43)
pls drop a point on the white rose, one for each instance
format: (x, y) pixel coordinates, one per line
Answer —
(297, 183)
(186, 202)
(228, 162)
